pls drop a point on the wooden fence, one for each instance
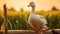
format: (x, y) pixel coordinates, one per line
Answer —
(28, 31)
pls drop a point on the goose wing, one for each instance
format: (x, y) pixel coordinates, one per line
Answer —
(42, 19)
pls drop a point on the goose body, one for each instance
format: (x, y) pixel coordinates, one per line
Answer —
(37, 22)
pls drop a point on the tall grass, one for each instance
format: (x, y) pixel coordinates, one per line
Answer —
(19, 20)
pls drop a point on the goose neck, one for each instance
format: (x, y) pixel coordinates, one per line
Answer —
(33, 9)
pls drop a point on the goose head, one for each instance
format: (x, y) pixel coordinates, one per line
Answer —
(32, 4)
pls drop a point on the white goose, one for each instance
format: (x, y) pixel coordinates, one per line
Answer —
(37, 22)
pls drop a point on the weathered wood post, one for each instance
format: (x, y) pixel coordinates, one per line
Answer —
(5, 18)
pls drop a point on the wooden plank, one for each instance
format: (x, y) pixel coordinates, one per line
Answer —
(29, 31)
(20, 32)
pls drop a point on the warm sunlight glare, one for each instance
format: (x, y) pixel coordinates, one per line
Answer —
(40, 4)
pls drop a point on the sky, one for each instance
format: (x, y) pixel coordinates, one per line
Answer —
(40, 4)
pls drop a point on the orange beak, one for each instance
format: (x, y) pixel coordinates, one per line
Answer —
(29, 5)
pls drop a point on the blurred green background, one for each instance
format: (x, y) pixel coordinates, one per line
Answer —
(19, 20)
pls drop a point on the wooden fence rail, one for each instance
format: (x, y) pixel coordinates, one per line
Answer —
(28, 31)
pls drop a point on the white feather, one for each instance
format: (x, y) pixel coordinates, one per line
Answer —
(37, 20)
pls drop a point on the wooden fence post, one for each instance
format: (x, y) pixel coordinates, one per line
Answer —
(5, 18)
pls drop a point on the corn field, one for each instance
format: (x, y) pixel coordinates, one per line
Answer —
(19, 20)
